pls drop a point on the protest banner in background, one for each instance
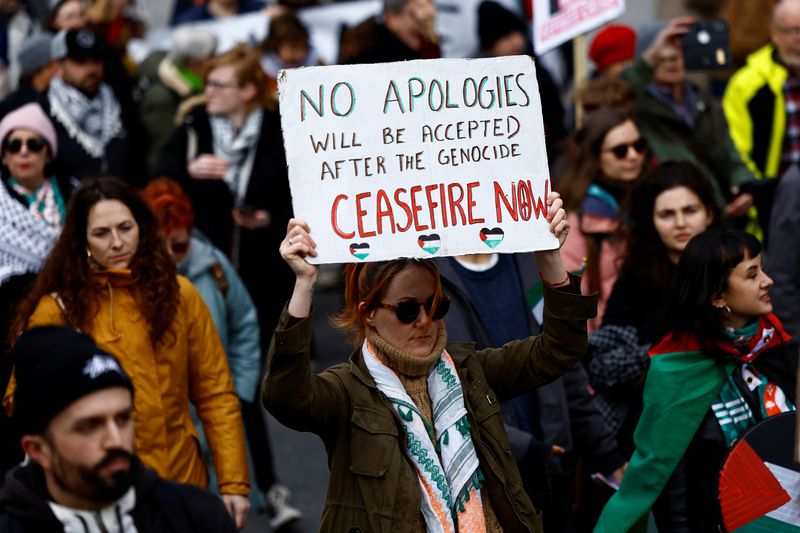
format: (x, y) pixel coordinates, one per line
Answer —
(558, 21)
(418, 158)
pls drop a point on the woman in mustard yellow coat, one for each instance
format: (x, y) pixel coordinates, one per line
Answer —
(109, 275)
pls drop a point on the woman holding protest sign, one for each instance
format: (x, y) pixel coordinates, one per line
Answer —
(723, 367)
(607, 156)
(412, 425)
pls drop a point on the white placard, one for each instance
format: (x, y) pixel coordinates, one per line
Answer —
(417, 158)
(558, 21)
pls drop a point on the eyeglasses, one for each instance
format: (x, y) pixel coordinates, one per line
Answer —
(34, 144)
(220, 85)
(620, 151)
(790, 31)
(408, 310)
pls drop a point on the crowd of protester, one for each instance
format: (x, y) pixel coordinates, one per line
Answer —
(148, 252)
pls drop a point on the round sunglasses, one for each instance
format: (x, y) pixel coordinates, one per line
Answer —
(407, 311)
(34, 144)
(620, 151)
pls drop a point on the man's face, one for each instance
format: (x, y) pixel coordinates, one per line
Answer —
(414, 24)
(785, 33)
(88, 449)
(85, 75)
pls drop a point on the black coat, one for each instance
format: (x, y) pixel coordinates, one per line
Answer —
(266, 276)
(161, 505)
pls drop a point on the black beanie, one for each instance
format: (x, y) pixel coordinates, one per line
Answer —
(495, 22)
(54, 366)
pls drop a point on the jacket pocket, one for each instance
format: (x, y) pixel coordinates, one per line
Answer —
(373, 438)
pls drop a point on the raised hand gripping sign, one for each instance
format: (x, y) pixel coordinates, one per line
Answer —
(417, 159)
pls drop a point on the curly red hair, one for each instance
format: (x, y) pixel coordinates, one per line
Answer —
(170, 204)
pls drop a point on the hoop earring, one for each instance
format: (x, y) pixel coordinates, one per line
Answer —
(93, 265)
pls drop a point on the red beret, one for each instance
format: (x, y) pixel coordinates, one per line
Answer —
(612, 44)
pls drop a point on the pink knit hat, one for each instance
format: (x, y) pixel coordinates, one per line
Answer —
(30, 117)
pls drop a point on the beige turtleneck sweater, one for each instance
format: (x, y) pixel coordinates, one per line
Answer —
(413, 374)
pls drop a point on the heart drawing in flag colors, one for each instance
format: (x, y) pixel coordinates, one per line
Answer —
(492, 237)
(359, 250)
(430, 243)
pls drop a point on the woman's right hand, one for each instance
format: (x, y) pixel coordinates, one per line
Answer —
(207, 167)
(298, 245)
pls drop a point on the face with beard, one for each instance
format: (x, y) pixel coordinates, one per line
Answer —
(86, 75)
(87, 450)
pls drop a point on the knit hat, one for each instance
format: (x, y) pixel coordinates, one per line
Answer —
(30, 117)
(34, 53)
(495, 22)
(79, 45)
(55, 366)
(612, 44)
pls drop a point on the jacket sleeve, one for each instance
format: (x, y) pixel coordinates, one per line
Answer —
(212, 393)
(734, 105)
(593, 438)
(525, 364)
(47, 313)
(244, 335)
(291, 392)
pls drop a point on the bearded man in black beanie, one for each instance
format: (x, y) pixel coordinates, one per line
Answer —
(74, 407)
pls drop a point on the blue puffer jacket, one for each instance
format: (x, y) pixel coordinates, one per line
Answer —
(231, 309)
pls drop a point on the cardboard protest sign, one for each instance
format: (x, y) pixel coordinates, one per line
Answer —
(418, 158)
(558, 21)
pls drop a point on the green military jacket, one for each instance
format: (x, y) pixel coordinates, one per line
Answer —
(373, 486)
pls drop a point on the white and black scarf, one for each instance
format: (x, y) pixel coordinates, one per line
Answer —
(92, 122)
(237, 149)
(25, 239)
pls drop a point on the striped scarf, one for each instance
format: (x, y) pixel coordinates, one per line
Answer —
(443, 454)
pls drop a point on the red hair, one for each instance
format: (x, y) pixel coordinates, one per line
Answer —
(366, 283)
(170, 204)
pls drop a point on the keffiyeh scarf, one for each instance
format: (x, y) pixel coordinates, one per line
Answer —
(25, 240)
(46, 202)
(237, 150)
(450, 486)
(92, 122)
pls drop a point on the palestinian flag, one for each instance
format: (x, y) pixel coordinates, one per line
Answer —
(492, 237)
(759, 488)
(430, 243)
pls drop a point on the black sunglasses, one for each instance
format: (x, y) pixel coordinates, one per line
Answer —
(620, 151)
(407, 311)
(34, 144)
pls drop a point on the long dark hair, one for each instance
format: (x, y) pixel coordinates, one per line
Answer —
(367, 282)
(646, 258)
(583, 159)
(702, 276)
(67, 272)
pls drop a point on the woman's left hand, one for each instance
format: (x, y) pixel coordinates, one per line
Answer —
(557, 218)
